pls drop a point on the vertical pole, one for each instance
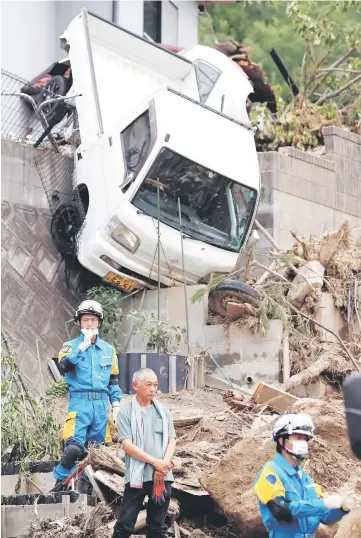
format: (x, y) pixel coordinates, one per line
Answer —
(158, 246)
(184, 274)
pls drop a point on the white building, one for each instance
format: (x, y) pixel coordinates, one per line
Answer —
(30, 29)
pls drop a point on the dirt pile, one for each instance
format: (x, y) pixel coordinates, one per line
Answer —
(230, 482)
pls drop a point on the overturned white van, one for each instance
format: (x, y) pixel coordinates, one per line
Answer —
(166, 149)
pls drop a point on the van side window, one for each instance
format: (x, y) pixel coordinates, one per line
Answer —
(136, 142)
(207, 76)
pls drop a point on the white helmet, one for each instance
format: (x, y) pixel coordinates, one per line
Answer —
(89, 307)
(289, 424)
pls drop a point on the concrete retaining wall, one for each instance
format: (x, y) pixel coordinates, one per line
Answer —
(242, 357)
(309, 194)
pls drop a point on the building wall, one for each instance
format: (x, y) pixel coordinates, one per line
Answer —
(30, 30)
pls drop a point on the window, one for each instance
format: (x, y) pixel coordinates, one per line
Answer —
(153, 20)
(136, 142)
(214, 209)
(207, 76)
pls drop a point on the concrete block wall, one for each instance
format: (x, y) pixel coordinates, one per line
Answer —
(309, 194)
(35, 300)
(244, 358)
(20, 180)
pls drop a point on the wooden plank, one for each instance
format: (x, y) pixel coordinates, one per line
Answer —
(274, 398)
(112, 480)
(90, 474)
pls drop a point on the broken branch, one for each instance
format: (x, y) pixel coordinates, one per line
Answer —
(339, 91)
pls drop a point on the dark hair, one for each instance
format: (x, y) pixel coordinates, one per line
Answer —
(280, 445)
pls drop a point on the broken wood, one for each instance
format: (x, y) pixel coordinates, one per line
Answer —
(276, 399)
(112, 480)
(177, 533)
(236, 310)
(239, 418)
(187, 421)
(286, 357)
(90, 473)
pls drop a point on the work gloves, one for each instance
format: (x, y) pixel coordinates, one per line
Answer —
(88, 335)
(347, 501)
(159, 493)
(115, 409)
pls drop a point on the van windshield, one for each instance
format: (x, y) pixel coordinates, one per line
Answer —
(214, 209)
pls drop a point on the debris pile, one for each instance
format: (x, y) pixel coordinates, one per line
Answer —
(82, 525)
(230, 482)
(314, 288)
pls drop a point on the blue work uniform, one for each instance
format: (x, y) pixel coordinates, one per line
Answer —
(92, 377)
(297, 492)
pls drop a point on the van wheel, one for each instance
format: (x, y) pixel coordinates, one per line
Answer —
(232, 291)
(65, 225)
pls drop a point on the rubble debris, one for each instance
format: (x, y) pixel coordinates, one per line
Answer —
(101, 457)
(82, 525)
(230, 482)
(308, 279)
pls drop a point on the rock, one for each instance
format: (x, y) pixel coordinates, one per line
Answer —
(313, 271)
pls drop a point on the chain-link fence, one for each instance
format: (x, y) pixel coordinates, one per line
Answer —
(39, 118)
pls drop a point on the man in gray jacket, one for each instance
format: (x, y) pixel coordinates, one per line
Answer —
(145, 427)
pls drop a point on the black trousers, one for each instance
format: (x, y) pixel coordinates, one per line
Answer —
(132, 503)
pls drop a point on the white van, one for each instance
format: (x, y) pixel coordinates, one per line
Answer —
(160, 132)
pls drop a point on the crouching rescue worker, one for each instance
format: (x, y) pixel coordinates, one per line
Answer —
(291, 504)
(146, 429)
(90, 367)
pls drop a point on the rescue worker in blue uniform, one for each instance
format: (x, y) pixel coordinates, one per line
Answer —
(90, 367)
(291, 504)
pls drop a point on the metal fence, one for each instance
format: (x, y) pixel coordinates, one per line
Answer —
(24, 121)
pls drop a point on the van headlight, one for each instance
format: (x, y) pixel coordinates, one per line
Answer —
(123, 235)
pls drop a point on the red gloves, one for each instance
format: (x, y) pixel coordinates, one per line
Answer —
(159, 494)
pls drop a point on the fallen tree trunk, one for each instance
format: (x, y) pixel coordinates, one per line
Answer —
(307, 376)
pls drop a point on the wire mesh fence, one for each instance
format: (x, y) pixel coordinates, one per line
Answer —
(23, 122)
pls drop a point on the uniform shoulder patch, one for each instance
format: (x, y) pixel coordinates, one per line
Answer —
(271, 478)
(66, 349)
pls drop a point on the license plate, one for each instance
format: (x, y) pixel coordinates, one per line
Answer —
(120, 282)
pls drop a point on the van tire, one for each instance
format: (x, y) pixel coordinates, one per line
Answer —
(232, 291)
(65, 225)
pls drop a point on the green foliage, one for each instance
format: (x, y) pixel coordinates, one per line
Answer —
(323, 30)
(162, 336)
(210, 287)
(27, 425)
(57, 388)
(109, 298)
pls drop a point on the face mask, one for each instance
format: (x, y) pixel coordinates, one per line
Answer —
(299, 449)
